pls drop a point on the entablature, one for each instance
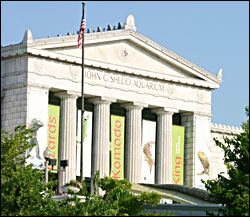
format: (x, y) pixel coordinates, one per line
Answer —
(107, 66)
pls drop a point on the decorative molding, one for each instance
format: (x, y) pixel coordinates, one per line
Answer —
(129, 70)
(101, 100)
(67, 94)
(131, 89)
(200, 95)
(74, 72)
(219, 74)
(165, 110)
(193, 114)
(125, 32)
(130, 22)
(221, 128)
(171, 90)
(176, 57)
(124, 54)
(27, 38)
(39, 65)
(37, 86)
(133, 105)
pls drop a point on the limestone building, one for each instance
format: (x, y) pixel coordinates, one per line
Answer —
(126, 75)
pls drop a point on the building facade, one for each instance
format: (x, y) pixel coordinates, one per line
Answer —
(126, 76)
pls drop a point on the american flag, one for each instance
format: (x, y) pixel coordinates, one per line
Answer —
(80, 36)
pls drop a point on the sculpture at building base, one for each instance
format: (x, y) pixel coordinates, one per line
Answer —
(34, 152)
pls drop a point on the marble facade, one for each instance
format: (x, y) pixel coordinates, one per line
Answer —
(121, 66)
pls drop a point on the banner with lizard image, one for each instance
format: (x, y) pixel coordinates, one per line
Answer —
(87, 143)
(178, 154)
(148, 151)
(53, 132)
(117, 147)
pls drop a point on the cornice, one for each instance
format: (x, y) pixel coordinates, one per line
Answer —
(106, 66)
(221, 128)
(175, 56)
(71, 40)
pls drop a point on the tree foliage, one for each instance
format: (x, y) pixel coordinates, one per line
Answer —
(24, 193)
(128, 203)
(12, 148)
(233, 191)
(22, 189)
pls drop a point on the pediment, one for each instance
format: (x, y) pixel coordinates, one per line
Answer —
(128, 54)
(128, 51)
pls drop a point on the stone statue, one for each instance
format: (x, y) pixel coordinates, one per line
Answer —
(205, 163)
(148, 154)
(35, 125)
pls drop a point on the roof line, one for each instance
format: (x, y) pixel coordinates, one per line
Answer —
(120, 32)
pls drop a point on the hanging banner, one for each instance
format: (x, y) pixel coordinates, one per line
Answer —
(53, 133)
(148, 151)
(87, 143)
(117, 147)
(178, 154)
(202, 152)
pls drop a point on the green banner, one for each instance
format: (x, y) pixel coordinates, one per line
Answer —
(117, 147)
(178, 154)
(53, 132)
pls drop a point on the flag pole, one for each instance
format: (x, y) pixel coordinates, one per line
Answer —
(82, 113)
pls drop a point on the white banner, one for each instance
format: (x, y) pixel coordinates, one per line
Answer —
(148, 151)
(87, 143)
(202, 152)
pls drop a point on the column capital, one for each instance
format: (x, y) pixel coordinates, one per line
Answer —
(165, 110)
(134, 105)
(67, 94)
(101, 100)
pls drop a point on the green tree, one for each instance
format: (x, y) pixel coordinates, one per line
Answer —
(24, 193)
(128, 203)
(22, 189)
(12, 148)
(233, 192)
(118, 199)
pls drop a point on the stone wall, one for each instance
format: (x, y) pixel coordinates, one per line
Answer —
(14, 108)
(217, 154)
(13, 92)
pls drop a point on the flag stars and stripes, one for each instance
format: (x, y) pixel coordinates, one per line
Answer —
(80, 36)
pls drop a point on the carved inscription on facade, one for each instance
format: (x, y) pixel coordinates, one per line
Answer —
(127, 81)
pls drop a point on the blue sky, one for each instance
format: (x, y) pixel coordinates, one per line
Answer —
(211, 34)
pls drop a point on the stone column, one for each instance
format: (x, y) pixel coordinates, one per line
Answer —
(101, 136)
(67, 134)
(188, 121)
(163, 164)
(197, 139)
(133, 146)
